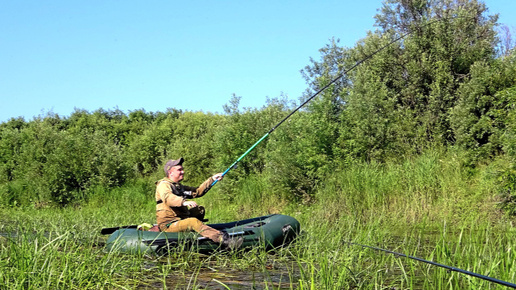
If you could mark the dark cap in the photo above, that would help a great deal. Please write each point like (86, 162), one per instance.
(172, 163)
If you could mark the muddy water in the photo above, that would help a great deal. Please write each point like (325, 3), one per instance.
(272, 277)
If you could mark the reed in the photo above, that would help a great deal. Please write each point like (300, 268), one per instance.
(428, 207)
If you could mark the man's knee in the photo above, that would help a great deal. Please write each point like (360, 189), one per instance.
(187, 224)
(193, 223)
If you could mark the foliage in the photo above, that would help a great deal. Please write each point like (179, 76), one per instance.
(412, 85)
(508, 191)
(427, 207)
(194, 135)
(481, 119)
(443, 85)
(243, 128)
(399, 153)
(56, 165)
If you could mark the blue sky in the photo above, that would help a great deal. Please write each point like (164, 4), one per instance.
(190, 55)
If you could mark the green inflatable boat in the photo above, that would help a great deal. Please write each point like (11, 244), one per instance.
(268, 231)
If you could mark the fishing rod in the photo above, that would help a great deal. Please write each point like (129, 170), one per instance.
(316, 94)
(449, 268)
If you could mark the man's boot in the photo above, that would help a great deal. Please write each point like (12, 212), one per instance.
(230, 243)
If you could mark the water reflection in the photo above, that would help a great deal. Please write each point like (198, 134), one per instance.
(271, 277)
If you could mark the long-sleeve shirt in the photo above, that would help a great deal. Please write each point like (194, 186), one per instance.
(170, 197)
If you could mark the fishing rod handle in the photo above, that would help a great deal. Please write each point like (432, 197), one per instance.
(223, 173)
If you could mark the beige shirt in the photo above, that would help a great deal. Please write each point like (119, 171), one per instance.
(170, 197)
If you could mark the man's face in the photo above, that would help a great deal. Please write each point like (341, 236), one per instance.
(176, 173)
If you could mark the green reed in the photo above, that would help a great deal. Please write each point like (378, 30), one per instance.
(429, 207)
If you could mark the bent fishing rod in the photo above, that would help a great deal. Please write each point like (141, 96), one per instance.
(315, 95)
(449, 268)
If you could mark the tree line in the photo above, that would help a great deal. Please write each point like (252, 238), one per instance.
(450, 83)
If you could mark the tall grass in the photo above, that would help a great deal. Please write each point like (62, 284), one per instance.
(429, 207)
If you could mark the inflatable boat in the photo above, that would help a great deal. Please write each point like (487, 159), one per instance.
(270, 231)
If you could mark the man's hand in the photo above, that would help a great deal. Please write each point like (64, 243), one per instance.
(217, 177)
(189, 203)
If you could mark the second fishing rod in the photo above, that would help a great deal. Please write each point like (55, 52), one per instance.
(316, 94)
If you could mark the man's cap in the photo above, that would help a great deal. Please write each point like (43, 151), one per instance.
(172, 163)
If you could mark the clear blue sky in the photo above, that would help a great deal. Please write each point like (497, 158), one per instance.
(191, 55)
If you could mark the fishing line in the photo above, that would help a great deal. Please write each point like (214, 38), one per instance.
(317, 93)
(449, 268)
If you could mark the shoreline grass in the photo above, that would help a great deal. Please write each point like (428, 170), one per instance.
(429, 207)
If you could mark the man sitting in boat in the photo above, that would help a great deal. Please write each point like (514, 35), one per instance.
(175, 212)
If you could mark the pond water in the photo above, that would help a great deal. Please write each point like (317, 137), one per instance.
(272, 277)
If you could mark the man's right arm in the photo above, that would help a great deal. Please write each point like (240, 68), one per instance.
(168, 197)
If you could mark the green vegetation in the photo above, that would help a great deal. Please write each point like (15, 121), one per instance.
(413, 151)
(429, 207)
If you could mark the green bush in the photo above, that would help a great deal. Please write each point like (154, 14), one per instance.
(508, 193)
